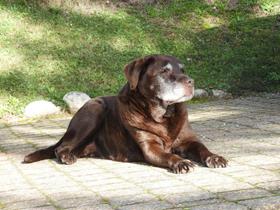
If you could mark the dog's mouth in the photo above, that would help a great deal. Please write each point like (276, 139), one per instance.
(171, 94)
(179, 100)
(186, 97)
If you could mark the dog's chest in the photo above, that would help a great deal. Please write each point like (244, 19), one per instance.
(167, 130)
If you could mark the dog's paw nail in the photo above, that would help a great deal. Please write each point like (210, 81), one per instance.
(215, 161)
(183, 166)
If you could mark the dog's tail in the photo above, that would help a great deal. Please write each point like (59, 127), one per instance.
(42, 154)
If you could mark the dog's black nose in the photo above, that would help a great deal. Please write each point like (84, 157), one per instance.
(190, 81)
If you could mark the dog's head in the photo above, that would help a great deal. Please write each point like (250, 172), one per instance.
(160, 77)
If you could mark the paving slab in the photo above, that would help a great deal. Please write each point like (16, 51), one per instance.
(244, 130)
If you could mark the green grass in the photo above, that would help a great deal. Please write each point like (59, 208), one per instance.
(47, 51)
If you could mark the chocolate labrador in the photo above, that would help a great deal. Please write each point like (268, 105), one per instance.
(147, 121)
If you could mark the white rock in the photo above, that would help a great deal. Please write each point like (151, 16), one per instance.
(200, 93)
(75, 100)
(40, 108)
(219, 93)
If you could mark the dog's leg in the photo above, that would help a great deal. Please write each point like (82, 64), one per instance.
(192, 147)
(88, 150)
(154, 153)
(81, 128)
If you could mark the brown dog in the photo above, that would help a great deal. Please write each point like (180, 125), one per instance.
(147, 121)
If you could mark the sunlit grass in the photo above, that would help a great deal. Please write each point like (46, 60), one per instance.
(47, 51)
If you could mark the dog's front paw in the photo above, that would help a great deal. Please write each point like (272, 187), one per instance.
(216, 161)
(182, 166)
(66, 157)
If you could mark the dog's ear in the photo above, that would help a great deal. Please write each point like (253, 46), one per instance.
(133, 70)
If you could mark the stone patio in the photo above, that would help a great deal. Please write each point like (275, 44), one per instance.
(244, 130)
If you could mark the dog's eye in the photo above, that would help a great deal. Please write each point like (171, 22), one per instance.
(165, 70)
(182, 67)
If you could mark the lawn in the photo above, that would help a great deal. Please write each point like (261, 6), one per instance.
(47, 50)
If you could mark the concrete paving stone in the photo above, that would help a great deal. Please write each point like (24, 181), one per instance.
(61, 120)
(45, 207)
(271, 127)
(199, 202)
(71, 189)
(161, 184)
(155, 205)
(148, 176)
(62, 182)
(129, 188)
(228, 187)
(253, 122)
(18, 149)
(256, 160)
(3, 158)
(270, 118)
(110, 184)
(21, 128)
(76, 168)
(265, 103)
(187, 197)
(234, 168)
(136, 168)
(2, 125)
(45, 124)
(95, 207)
(176, 189)
(13, 181)
(214, 179)
(257, 103)
(11, 188)
(220, 206)
(75, 172)
(245, 194)
(277, 156)
(10, 197)
(272, 166)
(95, 179)
(72, 194)
(123, 200)
(51, 131)
(261, 178)
(138, 179)
(273, 151)
(270, 186)
(17, 156)
(247, 173)
(242, 135)
(27, 204)
(119, 191)
(6, 133)
(212, 115)
(12, 141)
(38, 171)
(43, 141)
(79, 202)
(236, 152)
(223, 125)
(261, 148)
(270, 203)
